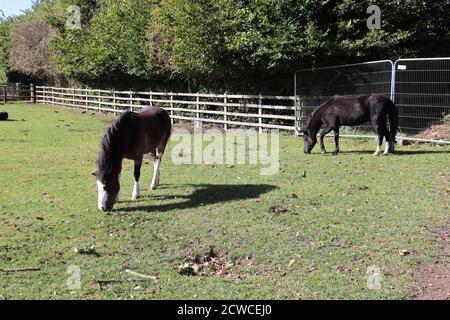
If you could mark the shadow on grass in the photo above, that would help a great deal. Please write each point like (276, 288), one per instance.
(203, 195)
(397, 152)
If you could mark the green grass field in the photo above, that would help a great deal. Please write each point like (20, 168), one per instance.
(348, 213)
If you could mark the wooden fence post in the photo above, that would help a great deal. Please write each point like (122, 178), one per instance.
(53, 97)
(298, 115)
(260, 113)
(131, 101)
(32, 93)
(99, 105)
(44, 96)
(86, 98)
(197, 123)
(225, 110)
(171, 106)
(16, 92)
(114, 103)
(5, 94)
(151, 100)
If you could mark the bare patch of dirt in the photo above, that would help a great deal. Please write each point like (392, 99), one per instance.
(277, 209)
(435, 132)
(214, 263)
(432, 281)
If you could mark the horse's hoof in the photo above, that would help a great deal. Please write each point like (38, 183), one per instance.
(134, 197)
(376, 154)
(323, 152)
(153, 187)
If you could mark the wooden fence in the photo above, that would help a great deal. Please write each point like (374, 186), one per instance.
(260, 111)
(229, 111)
(16, 92)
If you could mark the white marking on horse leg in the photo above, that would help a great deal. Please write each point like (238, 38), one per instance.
(136, 191)
(102, 196)
(118, 195)
(378, 151)
(155, 181)
(386, 149)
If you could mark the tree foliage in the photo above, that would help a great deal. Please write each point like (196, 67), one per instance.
(110, 45)
(5, 43)
(214, 43)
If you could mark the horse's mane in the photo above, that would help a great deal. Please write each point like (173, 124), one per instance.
(311, 116)
(107, 144)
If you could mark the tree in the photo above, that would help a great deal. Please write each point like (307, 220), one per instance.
(5, 26)
(109, 47)
(29, 50)
(252, 41)
(236, 45)
(227, 39)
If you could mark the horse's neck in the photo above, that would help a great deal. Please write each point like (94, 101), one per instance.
(316, 122)
(115, 158)
(117, 152)
(117, 163)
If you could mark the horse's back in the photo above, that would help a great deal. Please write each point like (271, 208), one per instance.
(356, 110)
(347, 110)
(150, 129)
(155, 116)
(153, 112)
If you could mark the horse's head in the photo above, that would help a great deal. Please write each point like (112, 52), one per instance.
(108, 189)
(310, 141)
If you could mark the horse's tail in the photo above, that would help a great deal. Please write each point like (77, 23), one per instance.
(393, 121)
(167, 124)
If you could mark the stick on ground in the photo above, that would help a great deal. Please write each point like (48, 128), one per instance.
(20, 270)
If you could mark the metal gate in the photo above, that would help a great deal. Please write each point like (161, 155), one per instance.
(422, 92)
(312, 87)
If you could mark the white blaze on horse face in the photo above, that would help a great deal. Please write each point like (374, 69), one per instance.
(155, 181)
(136, 191)
(102, 195)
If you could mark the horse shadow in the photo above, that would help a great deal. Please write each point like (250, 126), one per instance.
(203, 195)
(398, 152)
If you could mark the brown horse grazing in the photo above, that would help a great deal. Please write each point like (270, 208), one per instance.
(130, 137)
(352, 111)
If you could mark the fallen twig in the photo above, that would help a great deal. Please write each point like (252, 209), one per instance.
(141, 275)
(162, 237)
(101, 282)
(20, 270)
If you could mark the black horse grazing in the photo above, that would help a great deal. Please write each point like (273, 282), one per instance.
(351, 111)
(130, 137)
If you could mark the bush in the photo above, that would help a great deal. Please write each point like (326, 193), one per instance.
(29, 50)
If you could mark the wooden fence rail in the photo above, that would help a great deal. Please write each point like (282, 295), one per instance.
(227, 110)
(263, 112)
(16, 92)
